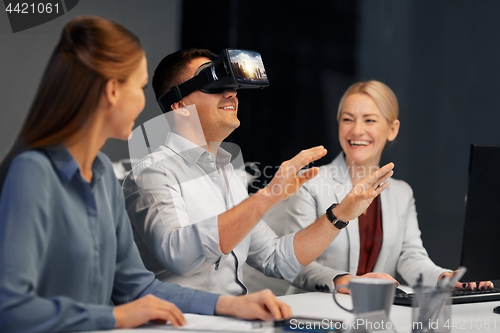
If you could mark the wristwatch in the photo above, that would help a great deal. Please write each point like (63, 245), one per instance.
(333, 219)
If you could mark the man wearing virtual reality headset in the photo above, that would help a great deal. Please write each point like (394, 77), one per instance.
(232, 70)
(193, 221)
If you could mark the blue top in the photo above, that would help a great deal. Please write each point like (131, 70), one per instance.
(66, 248)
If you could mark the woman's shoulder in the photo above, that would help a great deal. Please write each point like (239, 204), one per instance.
(399, 187)
(30, 168)
(399, 183)
(32, 158)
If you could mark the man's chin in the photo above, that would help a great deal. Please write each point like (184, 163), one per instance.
(234, 123)
(229, 129)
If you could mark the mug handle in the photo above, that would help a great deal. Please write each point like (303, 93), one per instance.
(335, 299)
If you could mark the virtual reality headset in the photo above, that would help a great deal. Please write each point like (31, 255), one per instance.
(232, 69)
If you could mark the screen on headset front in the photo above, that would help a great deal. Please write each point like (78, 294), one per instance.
(247, 66)
(233, 69)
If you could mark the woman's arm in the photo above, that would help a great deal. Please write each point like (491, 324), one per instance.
(414, 258)
(25, 236)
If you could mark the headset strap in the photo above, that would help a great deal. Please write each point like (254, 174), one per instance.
(176, 93)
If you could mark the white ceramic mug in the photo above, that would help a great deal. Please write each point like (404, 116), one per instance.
(369, 294)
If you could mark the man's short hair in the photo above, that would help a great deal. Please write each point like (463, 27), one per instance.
(169, 71)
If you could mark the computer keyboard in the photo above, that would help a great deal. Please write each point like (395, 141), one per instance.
(458, 296)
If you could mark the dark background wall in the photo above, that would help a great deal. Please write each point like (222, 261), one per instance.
(441, 58)
(24, 55)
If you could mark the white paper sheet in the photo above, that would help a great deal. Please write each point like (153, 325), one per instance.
(217, 324)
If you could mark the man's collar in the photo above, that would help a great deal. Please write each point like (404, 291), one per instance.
(223, 157)
(191, 152)
(66, 166)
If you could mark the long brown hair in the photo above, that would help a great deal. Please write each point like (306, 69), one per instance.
(91, 51)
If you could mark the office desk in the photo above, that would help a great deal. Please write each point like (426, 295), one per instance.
(473, 317)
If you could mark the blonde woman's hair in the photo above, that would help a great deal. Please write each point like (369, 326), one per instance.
(383, 96)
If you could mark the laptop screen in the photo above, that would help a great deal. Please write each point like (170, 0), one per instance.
(481, 239)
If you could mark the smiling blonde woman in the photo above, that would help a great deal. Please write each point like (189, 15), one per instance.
(386, 237)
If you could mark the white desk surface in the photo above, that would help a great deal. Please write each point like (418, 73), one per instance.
(472, 317)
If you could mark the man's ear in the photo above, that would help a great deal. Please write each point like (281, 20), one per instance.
(111, 91)
(180, 108)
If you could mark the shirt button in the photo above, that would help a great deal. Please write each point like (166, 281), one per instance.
(214, 178)
(210, 157)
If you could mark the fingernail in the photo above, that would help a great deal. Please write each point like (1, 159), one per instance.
(464, 285)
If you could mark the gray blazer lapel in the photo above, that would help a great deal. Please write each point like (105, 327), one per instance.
(389, 228)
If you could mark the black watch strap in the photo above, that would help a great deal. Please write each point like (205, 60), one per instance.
(333, 219)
